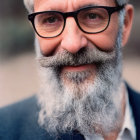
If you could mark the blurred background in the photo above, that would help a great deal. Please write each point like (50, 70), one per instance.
(18, 71)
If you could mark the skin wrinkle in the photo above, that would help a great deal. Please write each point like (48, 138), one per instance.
(29, 4)
(67, 6)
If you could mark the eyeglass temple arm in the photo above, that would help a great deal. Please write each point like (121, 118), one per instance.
(118, 8)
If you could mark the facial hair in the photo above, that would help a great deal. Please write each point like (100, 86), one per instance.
(97, 109)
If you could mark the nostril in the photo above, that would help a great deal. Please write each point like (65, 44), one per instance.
(73, 38)
(74, 43)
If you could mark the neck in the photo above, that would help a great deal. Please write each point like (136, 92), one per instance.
(114, 134)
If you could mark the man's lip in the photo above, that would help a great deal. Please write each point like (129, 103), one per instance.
(78, 68)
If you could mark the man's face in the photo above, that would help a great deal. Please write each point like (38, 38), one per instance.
(82, 75)
(73, 39)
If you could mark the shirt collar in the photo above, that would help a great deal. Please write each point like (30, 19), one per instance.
(128, 121)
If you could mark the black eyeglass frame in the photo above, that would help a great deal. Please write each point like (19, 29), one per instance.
(74, 14)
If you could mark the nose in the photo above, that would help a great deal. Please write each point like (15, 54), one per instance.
(73, 38)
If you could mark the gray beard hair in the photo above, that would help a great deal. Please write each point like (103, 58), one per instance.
(97, 109)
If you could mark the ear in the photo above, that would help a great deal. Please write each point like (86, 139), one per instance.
(128, 20)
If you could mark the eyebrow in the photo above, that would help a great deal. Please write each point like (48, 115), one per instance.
(86, 5)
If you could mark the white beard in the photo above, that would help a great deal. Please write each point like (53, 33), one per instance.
(96, 110)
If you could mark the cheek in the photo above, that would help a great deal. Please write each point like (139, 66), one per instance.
(105, 40)
(48, 46)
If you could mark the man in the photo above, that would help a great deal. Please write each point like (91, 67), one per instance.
(82, 95)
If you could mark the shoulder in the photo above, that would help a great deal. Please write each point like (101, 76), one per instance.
(134, 99)
(16, 118)
(134, 96)
(19, 109)
(20, 121)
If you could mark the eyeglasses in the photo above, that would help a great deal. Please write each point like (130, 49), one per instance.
(90, 20)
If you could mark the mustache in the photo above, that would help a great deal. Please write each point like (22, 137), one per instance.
(84, 56)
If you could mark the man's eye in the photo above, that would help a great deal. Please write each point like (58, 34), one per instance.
(50, 20)
(92, 16)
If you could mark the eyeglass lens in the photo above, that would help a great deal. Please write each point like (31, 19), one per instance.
(49, 24)
(93, 20)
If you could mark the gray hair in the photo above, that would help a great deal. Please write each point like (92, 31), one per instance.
(29, 4)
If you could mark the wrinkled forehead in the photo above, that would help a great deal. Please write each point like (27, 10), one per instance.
(68, 5)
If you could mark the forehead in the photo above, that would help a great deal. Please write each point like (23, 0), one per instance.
(68, 5)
